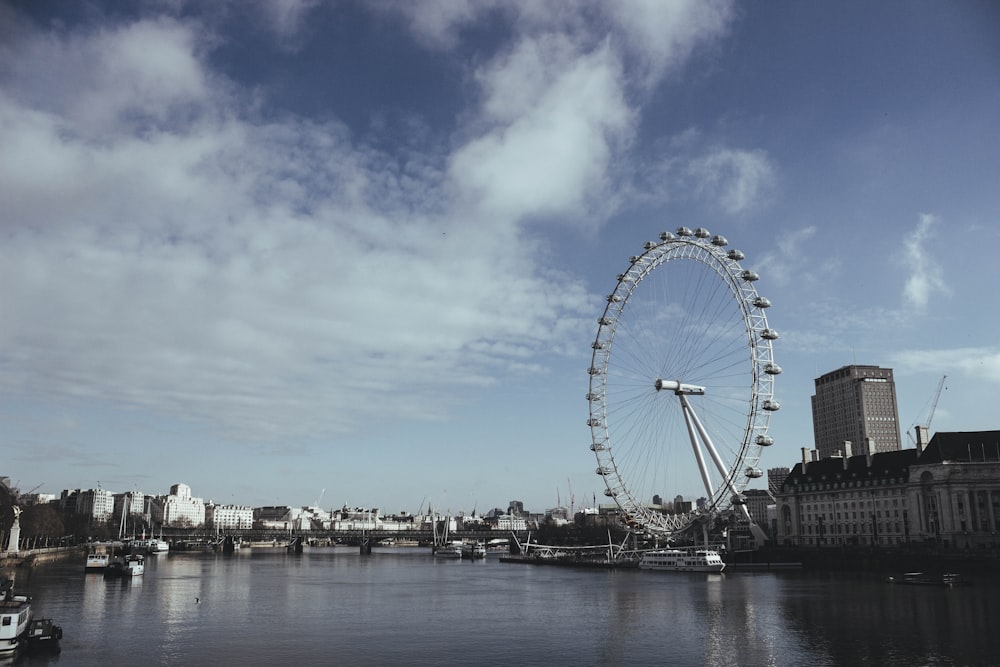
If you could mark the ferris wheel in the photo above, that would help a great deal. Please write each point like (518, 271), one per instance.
(682, 382)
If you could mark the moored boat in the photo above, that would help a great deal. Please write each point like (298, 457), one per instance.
(677, 560)
(471, 550)
(96, 562)
(15, 617)
(134, 565)
(43, 635)
(158, 546)
(449, 550)
(920, 579)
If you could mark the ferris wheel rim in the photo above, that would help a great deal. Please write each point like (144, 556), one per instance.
(709, 251)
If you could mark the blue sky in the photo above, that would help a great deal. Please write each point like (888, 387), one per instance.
(285, 250)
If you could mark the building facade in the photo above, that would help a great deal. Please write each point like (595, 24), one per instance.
(947, 494)
(228, 517)
(775, 478)
(179, 508)
(856, 404)
(98, 504)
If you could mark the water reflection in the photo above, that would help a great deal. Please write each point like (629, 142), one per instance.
(332, 605)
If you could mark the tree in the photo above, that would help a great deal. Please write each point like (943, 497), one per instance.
(42, 521)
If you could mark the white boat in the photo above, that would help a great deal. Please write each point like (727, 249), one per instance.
(449, 550)
(134, 565)
(157, 546)
(15, 617)
(471, 550)
(97, 562)
(676, 560)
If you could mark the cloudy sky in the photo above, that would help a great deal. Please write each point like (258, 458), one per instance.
(285, 251)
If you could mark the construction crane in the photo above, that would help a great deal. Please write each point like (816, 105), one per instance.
(926, 426)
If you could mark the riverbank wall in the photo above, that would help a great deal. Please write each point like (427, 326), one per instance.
(33, 557)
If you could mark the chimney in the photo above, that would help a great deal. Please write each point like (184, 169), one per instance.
(805, 459)
(923, 438)
(847, 449)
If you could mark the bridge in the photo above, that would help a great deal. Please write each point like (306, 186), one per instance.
(358, 537)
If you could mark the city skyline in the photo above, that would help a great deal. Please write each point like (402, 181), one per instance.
(282, 247)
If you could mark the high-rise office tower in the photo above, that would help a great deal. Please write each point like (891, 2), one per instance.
(856, 404)
(775, 478)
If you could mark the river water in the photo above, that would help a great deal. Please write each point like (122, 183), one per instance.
(333, 606)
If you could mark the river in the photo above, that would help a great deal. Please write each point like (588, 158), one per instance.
(333, 606)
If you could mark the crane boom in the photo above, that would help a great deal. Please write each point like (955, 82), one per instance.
(937, 396)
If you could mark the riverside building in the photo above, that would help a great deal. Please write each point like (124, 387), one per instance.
(856, 404)
(945, 492)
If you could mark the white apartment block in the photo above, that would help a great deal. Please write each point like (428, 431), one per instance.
(179, 508)
(98, 504)
(225, 517)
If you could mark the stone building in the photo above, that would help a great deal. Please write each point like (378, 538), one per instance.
(945, 492)
(856, 404)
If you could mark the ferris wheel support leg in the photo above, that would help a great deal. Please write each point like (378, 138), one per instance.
(723, 470)
(688, 417)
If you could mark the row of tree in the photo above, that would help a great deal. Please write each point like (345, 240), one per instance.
(46, 525)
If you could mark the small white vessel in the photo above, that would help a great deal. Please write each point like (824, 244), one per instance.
(134, 565)
(677, 560)
(472, 550)
(449, 550)
(97, 562)
(158, 546)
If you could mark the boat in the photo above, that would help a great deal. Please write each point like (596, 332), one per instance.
(96, 562)
(948, 579)
(449, 550)
(43, 636)
(677, 560)
(115, 568)
(157, 546)
(472, 550)
(134, 565)
(15, 617)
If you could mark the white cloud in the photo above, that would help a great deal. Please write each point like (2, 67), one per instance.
(789, 261)
(981, 363)
(165, 249)
(551, 139)
(739, 180)
(271, 279)
(925, 276)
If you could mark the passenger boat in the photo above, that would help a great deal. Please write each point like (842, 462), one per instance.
(676, 560)
(471, 550)
(158, 546)
(15, 617)
(97, 562)
(449, 550)
(134, 565)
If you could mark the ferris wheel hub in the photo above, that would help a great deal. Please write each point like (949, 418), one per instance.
(678, 387)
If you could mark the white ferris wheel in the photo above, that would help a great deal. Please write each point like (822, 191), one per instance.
(682, 382)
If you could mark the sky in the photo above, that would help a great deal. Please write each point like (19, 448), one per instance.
(301, 252)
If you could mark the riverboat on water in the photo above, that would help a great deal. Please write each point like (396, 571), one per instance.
(472, 550)
(134, 565)
(449, 550)
(15, 617)
(676, 560)
(43, 636)
(97, 562)
(151, 546)
(921, 579)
